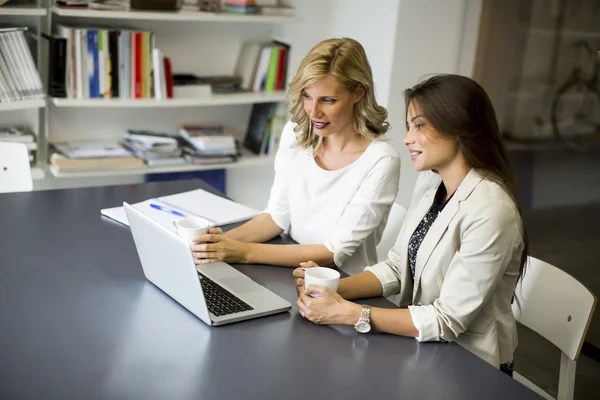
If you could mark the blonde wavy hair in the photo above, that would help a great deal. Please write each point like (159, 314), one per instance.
(346, 60)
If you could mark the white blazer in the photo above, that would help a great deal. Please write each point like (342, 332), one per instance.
(466, 267)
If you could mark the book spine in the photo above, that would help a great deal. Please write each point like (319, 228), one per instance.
(5, 71)
(156, 75)
(19, 63)
(113, 47)
(280, 68)
(137, 70)
(56, 67)
(146, 61)
(95, 72)
(270, 86)
(123, 65)
(77, 37)
(169, 77)
(85, 80)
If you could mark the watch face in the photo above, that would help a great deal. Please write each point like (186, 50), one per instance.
(363, 327)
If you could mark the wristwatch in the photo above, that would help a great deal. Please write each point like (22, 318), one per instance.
(363, 325)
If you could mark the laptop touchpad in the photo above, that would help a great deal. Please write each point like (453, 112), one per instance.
(240, 285)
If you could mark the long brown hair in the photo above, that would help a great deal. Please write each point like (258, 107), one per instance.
(458, 108)
(344, 59)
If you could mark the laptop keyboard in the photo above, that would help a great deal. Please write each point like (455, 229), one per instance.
(220, 301)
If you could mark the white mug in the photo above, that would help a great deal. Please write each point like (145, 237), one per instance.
(321, 276)
(191, 227)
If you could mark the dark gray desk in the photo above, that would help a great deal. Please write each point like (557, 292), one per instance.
(78, 320)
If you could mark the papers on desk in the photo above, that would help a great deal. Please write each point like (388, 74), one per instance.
(199, 203)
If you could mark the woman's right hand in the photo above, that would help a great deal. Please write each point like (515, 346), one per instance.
(299, 274)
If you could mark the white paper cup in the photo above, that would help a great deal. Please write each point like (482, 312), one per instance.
(321, 276)
(191, 227)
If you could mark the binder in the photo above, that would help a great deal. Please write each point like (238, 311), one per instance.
(198, 203)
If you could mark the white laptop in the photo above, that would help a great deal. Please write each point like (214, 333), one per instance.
(216, 293)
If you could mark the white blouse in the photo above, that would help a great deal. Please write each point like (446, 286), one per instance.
(346, 209)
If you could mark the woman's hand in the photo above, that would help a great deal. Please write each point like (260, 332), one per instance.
(328, 307)
(215, 246)
(299, 274)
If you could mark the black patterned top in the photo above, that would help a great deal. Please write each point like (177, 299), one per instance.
(419, 234)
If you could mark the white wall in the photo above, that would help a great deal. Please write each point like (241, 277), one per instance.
(432, 36)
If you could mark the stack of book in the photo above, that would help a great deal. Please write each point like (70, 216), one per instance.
(73, 3)
(91, 155)
(240, 6)
(156, 149)
(101, 63)
(263, 66)
(19, 78)
(114, 5)
(208, 144)
(277, 10)
(20, 134)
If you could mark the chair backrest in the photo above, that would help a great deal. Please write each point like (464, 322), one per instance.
(391, 231)
(15, 172)
(555, 305)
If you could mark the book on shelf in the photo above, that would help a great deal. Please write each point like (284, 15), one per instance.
(209, 140)
(91, 149)
(63, 163)
(240, 6)
(113, 5)
(258, 127)
(186, 84)
(91, 155)
(19, 78)
(263, 66)
(17, 134)
(153, 149)
(73, 3)
(275, 10)
(97, 62)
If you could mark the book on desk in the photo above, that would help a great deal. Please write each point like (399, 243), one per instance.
(198, 203)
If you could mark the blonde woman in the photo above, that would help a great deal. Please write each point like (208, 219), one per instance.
(335, 176)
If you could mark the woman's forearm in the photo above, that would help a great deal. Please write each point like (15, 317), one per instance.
(360, 286)
(259, 229)
(288, 255)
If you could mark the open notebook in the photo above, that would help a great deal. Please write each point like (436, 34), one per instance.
(199, 203)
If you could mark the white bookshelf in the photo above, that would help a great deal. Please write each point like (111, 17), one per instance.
(181, 16)
(37, 173)
(247, 160)
(22, 11)
(89, 119)
(22, 105)
(214, 100)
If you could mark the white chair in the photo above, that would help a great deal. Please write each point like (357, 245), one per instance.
(15, 172)
(559, 308)
(391, 231)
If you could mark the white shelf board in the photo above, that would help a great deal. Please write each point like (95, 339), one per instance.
(169, 16)
(247, 160)
(22, 105)
(28, 11)
(214, 100)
